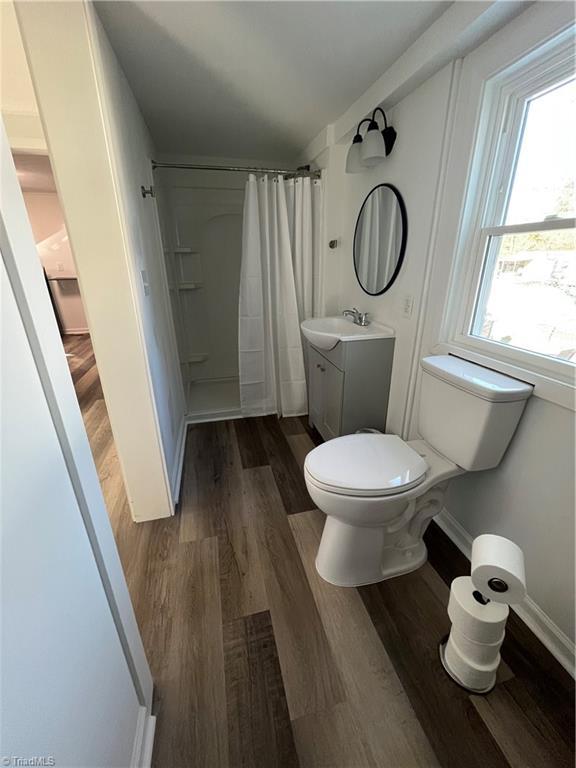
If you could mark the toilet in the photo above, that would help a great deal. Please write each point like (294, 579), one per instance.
(379, 492)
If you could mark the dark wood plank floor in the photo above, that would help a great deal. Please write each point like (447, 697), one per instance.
(259, 662)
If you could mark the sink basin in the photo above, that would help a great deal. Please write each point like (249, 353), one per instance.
(326, 332)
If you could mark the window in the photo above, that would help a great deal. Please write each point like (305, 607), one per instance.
(521, 301)
(527, 292)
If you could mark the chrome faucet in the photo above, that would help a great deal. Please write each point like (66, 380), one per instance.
(360, 318)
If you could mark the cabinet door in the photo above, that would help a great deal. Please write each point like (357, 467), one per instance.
(325, 397)
(315, 383)
(332, 386)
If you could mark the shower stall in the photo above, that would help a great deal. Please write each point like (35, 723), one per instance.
(201, 212)
(201, 215)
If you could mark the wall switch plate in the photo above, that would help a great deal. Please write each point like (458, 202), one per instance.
(407, 305)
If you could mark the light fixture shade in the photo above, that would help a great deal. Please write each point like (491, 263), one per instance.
(373, 149)
(354, 162)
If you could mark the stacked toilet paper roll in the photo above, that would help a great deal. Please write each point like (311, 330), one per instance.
(497, 569)
(478, 609)
(472, 653)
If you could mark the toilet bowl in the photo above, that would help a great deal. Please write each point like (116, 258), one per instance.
(380, 492)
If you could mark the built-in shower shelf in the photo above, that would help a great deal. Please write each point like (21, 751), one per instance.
(189, 286)
(180, 249)
(216, 380)
(189, 365)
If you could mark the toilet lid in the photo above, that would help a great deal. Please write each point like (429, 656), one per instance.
(366, 465)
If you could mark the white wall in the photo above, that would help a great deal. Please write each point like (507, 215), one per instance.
(99, 150)
(17, 98)
(413, 168)
(66, 688)
(132, 150)
(530, 497)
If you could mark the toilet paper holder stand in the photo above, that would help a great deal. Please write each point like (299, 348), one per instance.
(472, 670)
(479, 597)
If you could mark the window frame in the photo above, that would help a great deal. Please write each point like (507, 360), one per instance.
(499, 134)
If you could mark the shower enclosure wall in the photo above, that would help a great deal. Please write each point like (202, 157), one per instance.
(201, 214)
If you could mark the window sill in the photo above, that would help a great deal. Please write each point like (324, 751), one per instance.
(546, 387)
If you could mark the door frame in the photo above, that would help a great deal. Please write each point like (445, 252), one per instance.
(31, 294)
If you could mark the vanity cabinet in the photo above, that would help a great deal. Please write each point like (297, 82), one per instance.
(349, 386)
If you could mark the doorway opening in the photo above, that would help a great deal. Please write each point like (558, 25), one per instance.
(46, 219)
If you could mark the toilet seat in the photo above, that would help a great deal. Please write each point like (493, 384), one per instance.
(365, 465)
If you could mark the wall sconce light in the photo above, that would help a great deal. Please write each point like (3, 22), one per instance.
(373, 148)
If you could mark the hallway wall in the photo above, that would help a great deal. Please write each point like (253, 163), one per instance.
(132, 150)
(17, 97)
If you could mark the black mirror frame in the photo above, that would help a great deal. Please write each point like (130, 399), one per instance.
(404, 217)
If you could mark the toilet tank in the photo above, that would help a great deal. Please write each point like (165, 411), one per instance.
(469, 413)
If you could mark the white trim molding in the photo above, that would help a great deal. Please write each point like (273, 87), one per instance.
(549, 634)
(201, 418)
(143, 740)
(231, 415)
(178, 466)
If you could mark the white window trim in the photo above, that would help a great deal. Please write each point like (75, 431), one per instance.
(502, 110)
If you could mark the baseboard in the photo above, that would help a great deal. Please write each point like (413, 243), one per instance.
(148, 742)
(550, 635)
(200, 418)
(144, 740)
(75, 331)
(176, 479)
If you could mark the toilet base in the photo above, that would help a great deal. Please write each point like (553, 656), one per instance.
(354, 556)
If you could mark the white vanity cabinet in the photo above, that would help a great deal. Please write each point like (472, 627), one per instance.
(349, 386)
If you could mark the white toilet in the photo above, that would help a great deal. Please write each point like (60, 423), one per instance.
(379, 492)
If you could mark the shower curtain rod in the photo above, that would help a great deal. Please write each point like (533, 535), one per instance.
(246, 169)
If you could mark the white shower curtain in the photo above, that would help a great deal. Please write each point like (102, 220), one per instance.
(278, 289)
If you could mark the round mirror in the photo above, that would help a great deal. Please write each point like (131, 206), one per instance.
(380, 239)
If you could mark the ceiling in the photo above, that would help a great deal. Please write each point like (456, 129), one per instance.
(34, 173)
(255, 80)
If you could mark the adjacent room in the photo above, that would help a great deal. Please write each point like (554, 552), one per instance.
(288, 383)
(57, 260)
